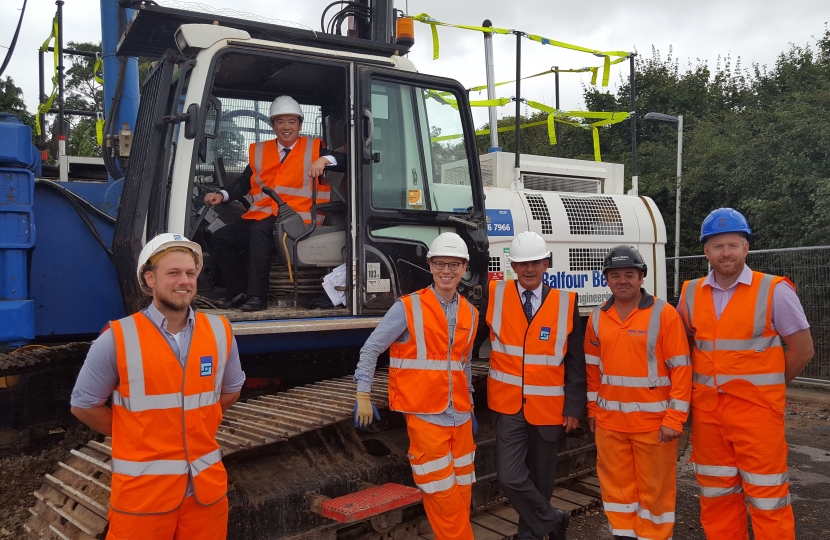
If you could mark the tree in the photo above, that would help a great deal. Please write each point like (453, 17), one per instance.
(11, 101)
(82, 92)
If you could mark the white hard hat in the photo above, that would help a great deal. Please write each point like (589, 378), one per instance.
(528, 246)
(157, 245)
(285, 105)
(448, 244)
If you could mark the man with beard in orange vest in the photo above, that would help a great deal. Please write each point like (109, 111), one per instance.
(429, 334)
(639, 386)
(171, 372)
(290, 165)
(738, 322)
(536, 384)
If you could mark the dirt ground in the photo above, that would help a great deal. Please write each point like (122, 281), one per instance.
(808, 435)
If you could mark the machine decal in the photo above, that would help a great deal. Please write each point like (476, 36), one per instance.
(378, 285)
(497, 276)
(373, 270)
(416, 198)
(499, 222)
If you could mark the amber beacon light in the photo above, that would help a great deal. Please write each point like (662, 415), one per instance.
(405, 32)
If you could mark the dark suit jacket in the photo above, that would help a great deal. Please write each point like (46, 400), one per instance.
(576, 383)
(242, 186)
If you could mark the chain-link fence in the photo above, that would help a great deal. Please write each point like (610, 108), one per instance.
(808, 268)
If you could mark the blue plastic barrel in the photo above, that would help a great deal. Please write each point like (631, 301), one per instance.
(16, 148)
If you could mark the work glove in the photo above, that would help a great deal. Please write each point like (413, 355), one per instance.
(364, 409)
(475, 422)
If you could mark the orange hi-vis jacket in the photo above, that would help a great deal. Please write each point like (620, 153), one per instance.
(739, 353)
(289, 179)
(526, 361)
(165, 416)
(428, 368)
(639, 371)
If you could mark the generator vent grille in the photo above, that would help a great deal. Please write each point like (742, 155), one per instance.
(593, 215)
(586, 259)
(487, 175)
(541, 182)
(539, 212)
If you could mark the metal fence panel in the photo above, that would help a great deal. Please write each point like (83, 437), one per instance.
(808, 268)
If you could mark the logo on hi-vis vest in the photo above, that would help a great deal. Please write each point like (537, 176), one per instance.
(206, 363)
(544, 333)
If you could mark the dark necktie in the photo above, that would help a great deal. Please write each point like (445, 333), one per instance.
(285, 154)
(528, 306)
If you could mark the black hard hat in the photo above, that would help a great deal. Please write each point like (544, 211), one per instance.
(624, 257)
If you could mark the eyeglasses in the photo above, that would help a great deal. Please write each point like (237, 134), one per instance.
(440, 265)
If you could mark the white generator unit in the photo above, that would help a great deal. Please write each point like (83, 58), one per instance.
(580, 209)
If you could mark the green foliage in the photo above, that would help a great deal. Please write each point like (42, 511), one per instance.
(83, 93)
(755, 139)
(11, 101)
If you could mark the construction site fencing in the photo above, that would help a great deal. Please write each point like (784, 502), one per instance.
(807, 267)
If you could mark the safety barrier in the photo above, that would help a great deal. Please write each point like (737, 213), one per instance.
(808, 268)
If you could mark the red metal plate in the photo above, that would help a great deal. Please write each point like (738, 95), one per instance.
(370, 502)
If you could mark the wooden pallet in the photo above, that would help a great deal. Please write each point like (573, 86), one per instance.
(501, 521)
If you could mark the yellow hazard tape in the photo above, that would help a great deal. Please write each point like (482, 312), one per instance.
(46, 106)
(99, 129)
(98, 68)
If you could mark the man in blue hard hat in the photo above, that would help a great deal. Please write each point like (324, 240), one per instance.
(738, 321)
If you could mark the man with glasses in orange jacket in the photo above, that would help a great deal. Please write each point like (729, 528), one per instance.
(429, 334)
(171, 372)
(738, 322)
(536, 384)
(639, 386)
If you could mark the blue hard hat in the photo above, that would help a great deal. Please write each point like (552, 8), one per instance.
(724, 220)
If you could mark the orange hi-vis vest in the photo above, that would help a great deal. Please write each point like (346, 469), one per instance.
(526, 361)
(739, 353)
(165, 416)
(428, 368)
(289, 179)
(639, 370)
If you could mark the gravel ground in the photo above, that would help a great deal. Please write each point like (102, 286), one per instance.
(808, 435)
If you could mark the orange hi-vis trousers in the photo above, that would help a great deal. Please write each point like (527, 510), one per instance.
(740, 456)
(190, 521)
(638, 481)
(442, 465)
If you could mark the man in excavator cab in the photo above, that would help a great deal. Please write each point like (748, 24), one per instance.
(288, 165)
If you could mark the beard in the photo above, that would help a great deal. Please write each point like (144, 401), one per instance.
(175, 304)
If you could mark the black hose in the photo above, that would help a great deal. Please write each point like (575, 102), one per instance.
(109, 164)
(75, 202)
(14, 40)
(352, 8)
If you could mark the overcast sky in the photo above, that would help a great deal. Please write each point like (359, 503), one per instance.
(757, 31)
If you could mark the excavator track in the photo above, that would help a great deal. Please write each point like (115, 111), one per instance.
(73, 501)
(34, 358)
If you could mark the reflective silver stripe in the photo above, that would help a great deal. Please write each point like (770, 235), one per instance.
(761, 302)
(222, 350)
(562, 326)
(512, 350)
(164, 401)
(543, 360)
(679, 405)
(704, 345)
(473, 323)
(632, 406)
(307, 157)
(595, 321)
(429, 365)
(689, 300)
(677, 361)
(766, 479)
(142, 468)
(531, 390)
(298, 192)
(720, 492)
(754, 344)
(432, 466)
(700, 378)
(438, 485)
(651, 344)
(635, 382)
(715, 470)
(418, 326)
(465, 460)
(506, 378)
(619, 507)
(591, 360)
(763, 379)
(495, 324)
(466, 479)
(202, 463)
(769, 504)
(665, 517)
(258, 149)
(592, 396)
(135, 363)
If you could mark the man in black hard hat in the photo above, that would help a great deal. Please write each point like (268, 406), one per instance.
(639, 387)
